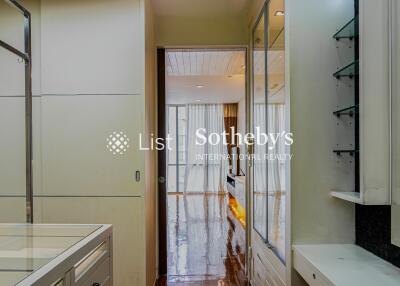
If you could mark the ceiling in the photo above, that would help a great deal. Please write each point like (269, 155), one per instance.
(207, 76)
(201, 8)
(206, 63)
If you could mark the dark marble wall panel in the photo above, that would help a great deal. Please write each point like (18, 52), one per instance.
(373, 232)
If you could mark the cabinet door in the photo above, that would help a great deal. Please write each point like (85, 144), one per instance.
(270, 118)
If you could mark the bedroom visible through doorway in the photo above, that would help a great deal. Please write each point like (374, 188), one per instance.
(205, 104)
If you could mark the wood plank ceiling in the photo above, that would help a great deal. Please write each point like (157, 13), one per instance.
(220, 63)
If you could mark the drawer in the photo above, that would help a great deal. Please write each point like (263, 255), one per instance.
(58, 283)
(100, 276)
(264, 268)
(309, 273)
(88, 267)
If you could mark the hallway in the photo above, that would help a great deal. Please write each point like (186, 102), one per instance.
(205, 242)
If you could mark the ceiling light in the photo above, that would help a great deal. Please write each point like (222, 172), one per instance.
(280, 13)
(198, 100)
(199, 86)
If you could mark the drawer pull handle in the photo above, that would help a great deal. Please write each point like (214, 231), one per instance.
(314, 276)
(96, 284)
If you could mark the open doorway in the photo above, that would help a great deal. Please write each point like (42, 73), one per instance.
(204, 191)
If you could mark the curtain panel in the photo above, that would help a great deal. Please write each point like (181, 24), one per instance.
(206, 164)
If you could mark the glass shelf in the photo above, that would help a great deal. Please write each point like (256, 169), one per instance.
(350, 71)
(348, 31)
(350, 111)
(340, 152)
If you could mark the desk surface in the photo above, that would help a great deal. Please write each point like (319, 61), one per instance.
(24, 248)
(349, 265)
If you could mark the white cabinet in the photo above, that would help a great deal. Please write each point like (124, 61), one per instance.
(56, 255)
(374, 107)
(342, 265)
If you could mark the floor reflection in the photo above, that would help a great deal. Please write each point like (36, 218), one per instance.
(205, 242)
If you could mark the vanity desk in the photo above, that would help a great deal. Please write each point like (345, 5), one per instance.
(342, 265)
(55, 255)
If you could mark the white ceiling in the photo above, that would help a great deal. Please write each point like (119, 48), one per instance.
(196, 62)
(220, 73)
(217, 89)
(201, 8)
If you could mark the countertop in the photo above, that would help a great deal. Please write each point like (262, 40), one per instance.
(25, 248)
(349, 265)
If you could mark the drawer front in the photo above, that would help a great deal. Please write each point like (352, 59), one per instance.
(100, 276)
(309, 273)
(264, 268)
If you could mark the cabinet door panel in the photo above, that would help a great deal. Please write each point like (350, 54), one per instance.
(76, 160)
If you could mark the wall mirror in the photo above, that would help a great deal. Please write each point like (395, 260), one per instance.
(269, 116)
(395, 123)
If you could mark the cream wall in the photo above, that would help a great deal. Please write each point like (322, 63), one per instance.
(12, 110)
(93, 74)
(316, 216)
(192, 31)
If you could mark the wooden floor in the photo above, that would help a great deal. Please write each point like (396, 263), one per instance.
(205, 242)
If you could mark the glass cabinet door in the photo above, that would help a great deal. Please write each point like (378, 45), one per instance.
(270, 117)
(259, 125)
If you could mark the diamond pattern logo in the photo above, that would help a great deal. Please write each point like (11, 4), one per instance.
(117, 143)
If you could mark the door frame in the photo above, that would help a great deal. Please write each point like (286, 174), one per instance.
(161, 154)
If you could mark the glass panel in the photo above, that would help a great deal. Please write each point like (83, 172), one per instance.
(348, 31)
(276, 118)
(348, 71)
(259, 112)
(26, 248)
(171, 130)
(171, 179)
(182, 135)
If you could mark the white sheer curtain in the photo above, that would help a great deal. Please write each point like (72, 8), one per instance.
(269, 172)
(206, 165)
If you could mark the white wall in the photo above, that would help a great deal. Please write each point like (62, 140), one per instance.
(12, 110)
(316, 216)
(89, 79)
(192, 31)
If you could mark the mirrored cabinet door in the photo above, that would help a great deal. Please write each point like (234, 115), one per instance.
(395, 81)
(276, 118)
(260, 189)
(269, 117)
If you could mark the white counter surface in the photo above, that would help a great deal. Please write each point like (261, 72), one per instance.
(25, 248)
(349, 265)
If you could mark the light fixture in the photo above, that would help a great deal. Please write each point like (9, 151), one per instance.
(199, 86)
(280, 13)
(198, 100)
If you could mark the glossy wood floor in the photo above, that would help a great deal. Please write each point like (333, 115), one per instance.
(205, 242)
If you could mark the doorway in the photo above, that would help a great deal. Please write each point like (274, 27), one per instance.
(202, 193)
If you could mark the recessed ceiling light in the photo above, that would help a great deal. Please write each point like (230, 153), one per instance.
(280, 13)
(199, 86)
(198, 100)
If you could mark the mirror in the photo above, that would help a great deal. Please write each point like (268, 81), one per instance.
(395, 123)
(270, 116)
